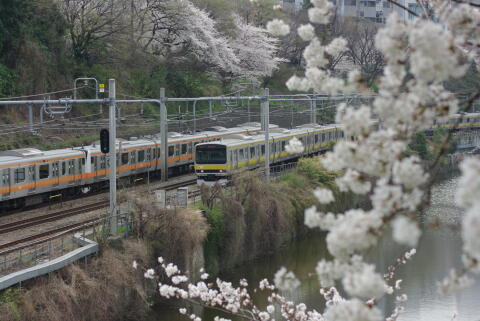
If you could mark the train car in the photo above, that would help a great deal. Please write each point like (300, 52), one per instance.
(31, 176)
(27, 173)
(216, 162)
(460, 121)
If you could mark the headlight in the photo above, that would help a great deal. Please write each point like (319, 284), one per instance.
(221, 171)
(201, 171)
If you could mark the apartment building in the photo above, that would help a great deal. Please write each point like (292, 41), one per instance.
(375, 10)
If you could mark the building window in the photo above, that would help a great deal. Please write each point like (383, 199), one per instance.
(351, 2)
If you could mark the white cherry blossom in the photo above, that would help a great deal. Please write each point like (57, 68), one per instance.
(278, 27)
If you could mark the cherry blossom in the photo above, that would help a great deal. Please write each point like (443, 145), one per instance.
(278, 28)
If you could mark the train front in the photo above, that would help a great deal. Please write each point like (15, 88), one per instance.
(211, 163)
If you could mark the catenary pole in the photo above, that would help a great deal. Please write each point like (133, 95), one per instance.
(163, 135)
(112, 155)
(266, 118)
(30, 118)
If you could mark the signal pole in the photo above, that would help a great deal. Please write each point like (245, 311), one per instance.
(112, 156)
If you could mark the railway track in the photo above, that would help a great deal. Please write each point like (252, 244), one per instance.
(34, 221)
(44, 235)
(14, 226)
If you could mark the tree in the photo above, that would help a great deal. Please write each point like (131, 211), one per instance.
(177, 29)
(255, 50)
(361, 51)
(89, 21)
(420, 56)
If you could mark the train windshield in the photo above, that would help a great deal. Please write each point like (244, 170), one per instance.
(211, 154)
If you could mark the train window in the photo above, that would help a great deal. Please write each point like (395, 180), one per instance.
(283, 145)
(252, 152)
(132, 157)
(171, 150)
(19, 175)
(316, 138)
(177, 150)
(149, 152)
(323, 137)
(241, 155)
(6, 177)
(64, 168)
(189, 145)
(124, 158)
(184, 149)
(141, 155)
(263, 149)
(31, 173)
(83, 161)
(92, 160)
(43, 171)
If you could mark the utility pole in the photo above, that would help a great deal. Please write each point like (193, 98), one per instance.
(210, 109)
(112, 155)
(30, 118)
(194, 117)
(314, 108)
(266, 122)
(163, 136)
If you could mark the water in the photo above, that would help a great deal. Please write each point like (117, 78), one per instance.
(438, 252)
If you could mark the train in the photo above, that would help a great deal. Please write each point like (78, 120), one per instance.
(216, 162)
(30, 176)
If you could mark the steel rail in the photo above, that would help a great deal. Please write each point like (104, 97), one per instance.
(14, 226)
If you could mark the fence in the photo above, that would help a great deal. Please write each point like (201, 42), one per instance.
(55, 252)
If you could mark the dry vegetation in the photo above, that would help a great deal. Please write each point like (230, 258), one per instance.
(107, 289)
(175, 234)
(254, 218)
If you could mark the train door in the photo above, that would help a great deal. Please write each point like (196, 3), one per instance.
(71, 171)
(32, 178)
(94, 166)
(79, 166)
(102, 165)
(132, 161)
(6, 181)
(55, 173)
(235, 159)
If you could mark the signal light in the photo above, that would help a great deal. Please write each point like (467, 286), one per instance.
(104, 141)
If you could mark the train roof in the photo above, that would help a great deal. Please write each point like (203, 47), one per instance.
(32, 154)
(277, 133)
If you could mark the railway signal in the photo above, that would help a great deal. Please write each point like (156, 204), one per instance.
(104, 141)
